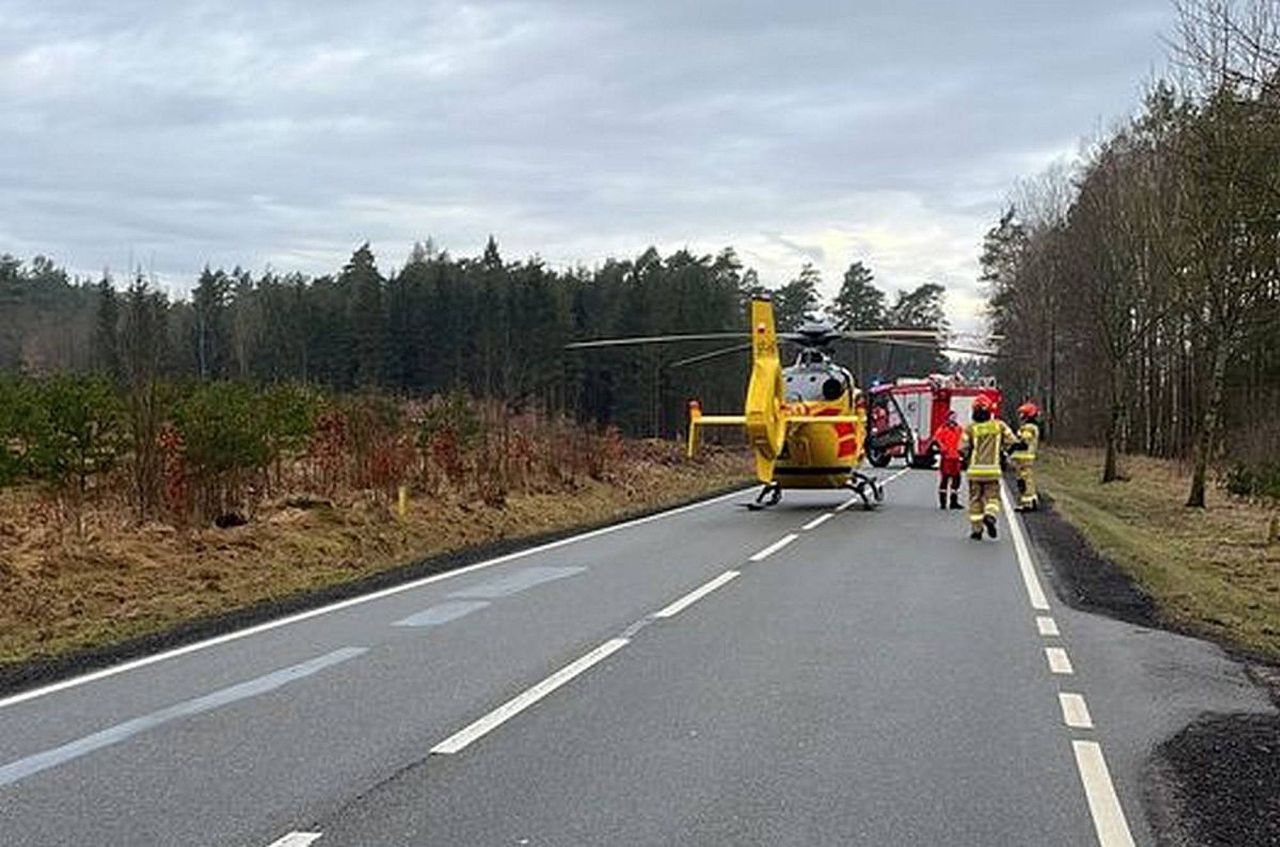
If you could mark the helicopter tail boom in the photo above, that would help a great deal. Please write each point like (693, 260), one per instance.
(697, 420)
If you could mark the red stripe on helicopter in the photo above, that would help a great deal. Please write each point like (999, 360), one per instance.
(844, 434)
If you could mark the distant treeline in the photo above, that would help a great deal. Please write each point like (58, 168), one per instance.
(1140, 296)
(439, 324)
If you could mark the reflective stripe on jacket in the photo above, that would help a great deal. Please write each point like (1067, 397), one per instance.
(984, 442)
(1029, 434)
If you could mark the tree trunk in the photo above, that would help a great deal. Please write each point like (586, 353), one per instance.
(1208, 428)
(1110, 471)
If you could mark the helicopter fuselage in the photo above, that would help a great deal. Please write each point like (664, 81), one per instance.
(820, 455)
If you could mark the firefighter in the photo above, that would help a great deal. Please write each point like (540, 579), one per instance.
(983, 444)
(1023, 456)
(946, 440)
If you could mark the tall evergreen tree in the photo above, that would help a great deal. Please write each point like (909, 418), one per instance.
(797, 301)
(212, 326)
(360, 278)
(859, 304)
(106, 331)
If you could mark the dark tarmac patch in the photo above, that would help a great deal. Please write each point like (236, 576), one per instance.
(1217, 782)
(20, 676)
(1081, 577)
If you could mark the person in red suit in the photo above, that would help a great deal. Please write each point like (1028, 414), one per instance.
(946, 440)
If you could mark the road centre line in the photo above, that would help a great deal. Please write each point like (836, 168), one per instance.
(23, 768)
(1075, 712)
(694, 596)
(1104, 806)
(1032, 582)
(296, 839)
(1047, 626)
(818, 521)
(773, 548)
(465, 736)
(267, 626)
(1059, 662)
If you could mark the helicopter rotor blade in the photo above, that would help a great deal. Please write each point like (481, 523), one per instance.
(970, 351)
(724, 351)
(654, 339)
(860, 334)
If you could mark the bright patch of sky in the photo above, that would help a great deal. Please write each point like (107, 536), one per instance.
(284, 134)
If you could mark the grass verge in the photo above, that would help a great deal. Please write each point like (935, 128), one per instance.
(62, 596)
(1211, 573)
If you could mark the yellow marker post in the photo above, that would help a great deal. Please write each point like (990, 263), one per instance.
(402, 501)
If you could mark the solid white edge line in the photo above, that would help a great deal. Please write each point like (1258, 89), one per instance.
(520, 702)
(774, 547)
(296, 839)
(1104, 806)
(1075, 712)
(1059, 661)
(695, 595)
(266, 626)
(1047, 626)
(1034, 592)
(818, 521)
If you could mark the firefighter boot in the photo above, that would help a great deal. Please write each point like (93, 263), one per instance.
(955, 499)
(990, 521)
(942, 499)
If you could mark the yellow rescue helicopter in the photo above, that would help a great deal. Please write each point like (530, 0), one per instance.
(806, 424)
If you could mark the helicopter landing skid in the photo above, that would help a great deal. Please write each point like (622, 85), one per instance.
(868, 488)
(772, 491)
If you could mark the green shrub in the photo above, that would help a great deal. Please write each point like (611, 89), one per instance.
(16, 412)
(224, 441)
(1255, 480)
(454, 415)
(74, 433)
(288, 412)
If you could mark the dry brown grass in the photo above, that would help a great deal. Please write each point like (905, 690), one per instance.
(59, 594)
(1211, 572)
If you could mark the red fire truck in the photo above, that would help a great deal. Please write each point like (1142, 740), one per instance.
(905, 414)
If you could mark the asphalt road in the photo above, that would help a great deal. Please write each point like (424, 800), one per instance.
(805, 675)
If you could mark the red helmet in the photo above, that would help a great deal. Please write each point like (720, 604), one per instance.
(1029, 410)
(982, 401)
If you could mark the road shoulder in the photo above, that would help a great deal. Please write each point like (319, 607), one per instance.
(1216, 779)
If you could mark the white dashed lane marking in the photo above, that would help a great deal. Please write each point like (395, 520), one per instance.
(818, 521)
(463, 737)
(1059, 662)
(296, 839)
(695, 595)
(1104, 805)
(1047, 626)
(774, 548)
(1075, 712)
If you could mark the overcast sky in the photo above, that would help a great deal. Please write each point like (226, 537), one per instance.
(172, 134)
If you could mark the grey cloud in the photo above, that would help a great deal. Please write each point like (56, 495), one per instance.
(247, 132)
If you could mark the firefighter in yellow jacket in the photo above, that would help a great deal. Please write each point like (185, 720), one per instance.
(985, 441)
(1023, 456)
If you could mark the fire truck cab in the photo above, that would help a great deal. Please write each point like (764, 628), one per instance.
(904, 415)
